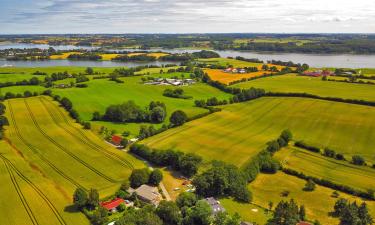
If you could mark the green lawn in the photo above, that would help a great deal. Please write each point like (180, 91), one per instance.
(316, 165)
(303, 84)
(239, 131)
(318, 203)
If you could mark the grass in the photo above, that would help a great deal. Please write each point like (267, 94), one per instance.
(303, 84)
(57, 155)
(17, 77)
(316, 165)
(101, 93)
(240, 131)
(318, 203)
(248, 212)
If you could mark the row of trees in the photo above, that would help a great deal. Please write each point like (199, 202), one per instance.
(352, 213)
(288, 213)
(186, 163)
(175, 93)
(31, 81)
(3, 119)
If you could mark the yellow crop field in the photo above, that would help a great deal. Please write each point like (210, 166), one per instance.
(108, 56)
(228, 78)
(63, 55)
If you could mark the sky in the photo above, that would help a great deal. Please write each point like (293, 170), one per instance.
(186, 16)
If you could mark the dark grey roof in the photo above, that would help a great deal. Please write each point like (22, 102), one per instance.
(215, 205)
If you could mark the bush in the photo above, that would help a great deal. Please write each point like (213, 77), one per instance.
(178, 118)
(156, 177)
(309, 186)
(303, 145)
(358, 160)
(329, 153)
(87, 125)
(139, 177)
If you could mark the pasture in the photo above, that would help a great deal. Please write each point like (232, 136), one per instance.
(101, 93)
(50, 156)
(318, 203)
(302, 84)
(241, 130)
(316, 165)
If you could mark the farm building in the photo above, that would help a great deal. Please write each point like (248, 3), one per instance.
(215, 205)
(116, 140)
(245, 223)
(112, 205)
(318, 73)
(147, 193)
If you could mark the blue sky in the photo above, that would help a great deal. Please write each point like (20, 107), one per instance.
(186, 16)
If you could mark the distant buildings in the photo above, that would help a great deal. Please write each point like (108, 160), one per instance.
(147, 194)
(215, 205)
(318, 73)
(170, 81)
(235, 70)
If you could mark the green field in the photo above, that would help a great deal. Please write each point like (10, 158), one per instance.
(227, 62)
(318, 203)
(101, 93)
(57, 156)
(316, 165)
(239, 131)
(302, 84)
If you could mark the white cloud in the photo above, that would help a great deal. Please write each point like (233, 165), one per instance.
(95, 16)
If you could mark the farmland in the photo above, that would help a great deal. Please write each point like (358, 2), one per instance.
(47, 156)
(227, 78)
(302, 84)
(239, 131)
(318, 203)
(316, 165)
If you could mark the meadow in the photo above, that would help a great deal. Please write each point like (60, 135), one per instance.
(47, 156)
(316, 165)
(241, 130)
(101, 93)
(303, 84)
(318, 203)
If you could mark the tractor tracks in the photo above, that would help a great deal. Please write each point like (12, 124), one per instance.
(36, 152)
(62, 148)
(84, 139)
(10, 168)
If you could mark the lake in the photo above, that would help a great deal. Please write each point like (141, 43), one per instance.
(314, 60)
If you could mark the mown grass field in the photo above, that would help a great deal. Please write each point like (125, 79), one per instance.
(316, 165)
(318, 203)
(239, 131)
(101, 93)
(58, 156)
(303, 84)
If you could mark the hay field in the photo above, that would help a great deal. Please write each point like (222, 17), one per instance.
(303, 84)
(316, 165)
(318, 203)
(44, 146)
(227, 78)
(239, 131)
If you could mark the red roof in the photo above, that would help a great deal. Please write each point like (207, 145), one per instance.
(116, 140)
(112, 204)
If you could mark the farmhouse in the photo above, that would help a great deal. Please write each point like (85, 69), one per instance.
(215, 205)
(147, 193)
(112, 205)
(171, 81)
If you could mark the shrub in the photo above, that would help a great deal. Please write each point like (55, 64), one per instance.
(358, 160)
(303, 145)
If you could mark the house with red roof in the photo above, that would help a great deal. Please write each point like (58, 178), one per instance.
(116, 140)
(112, 205)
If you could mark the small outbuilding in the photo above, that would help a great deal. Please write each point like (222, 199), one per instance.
(116, 140)
(112, 205)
